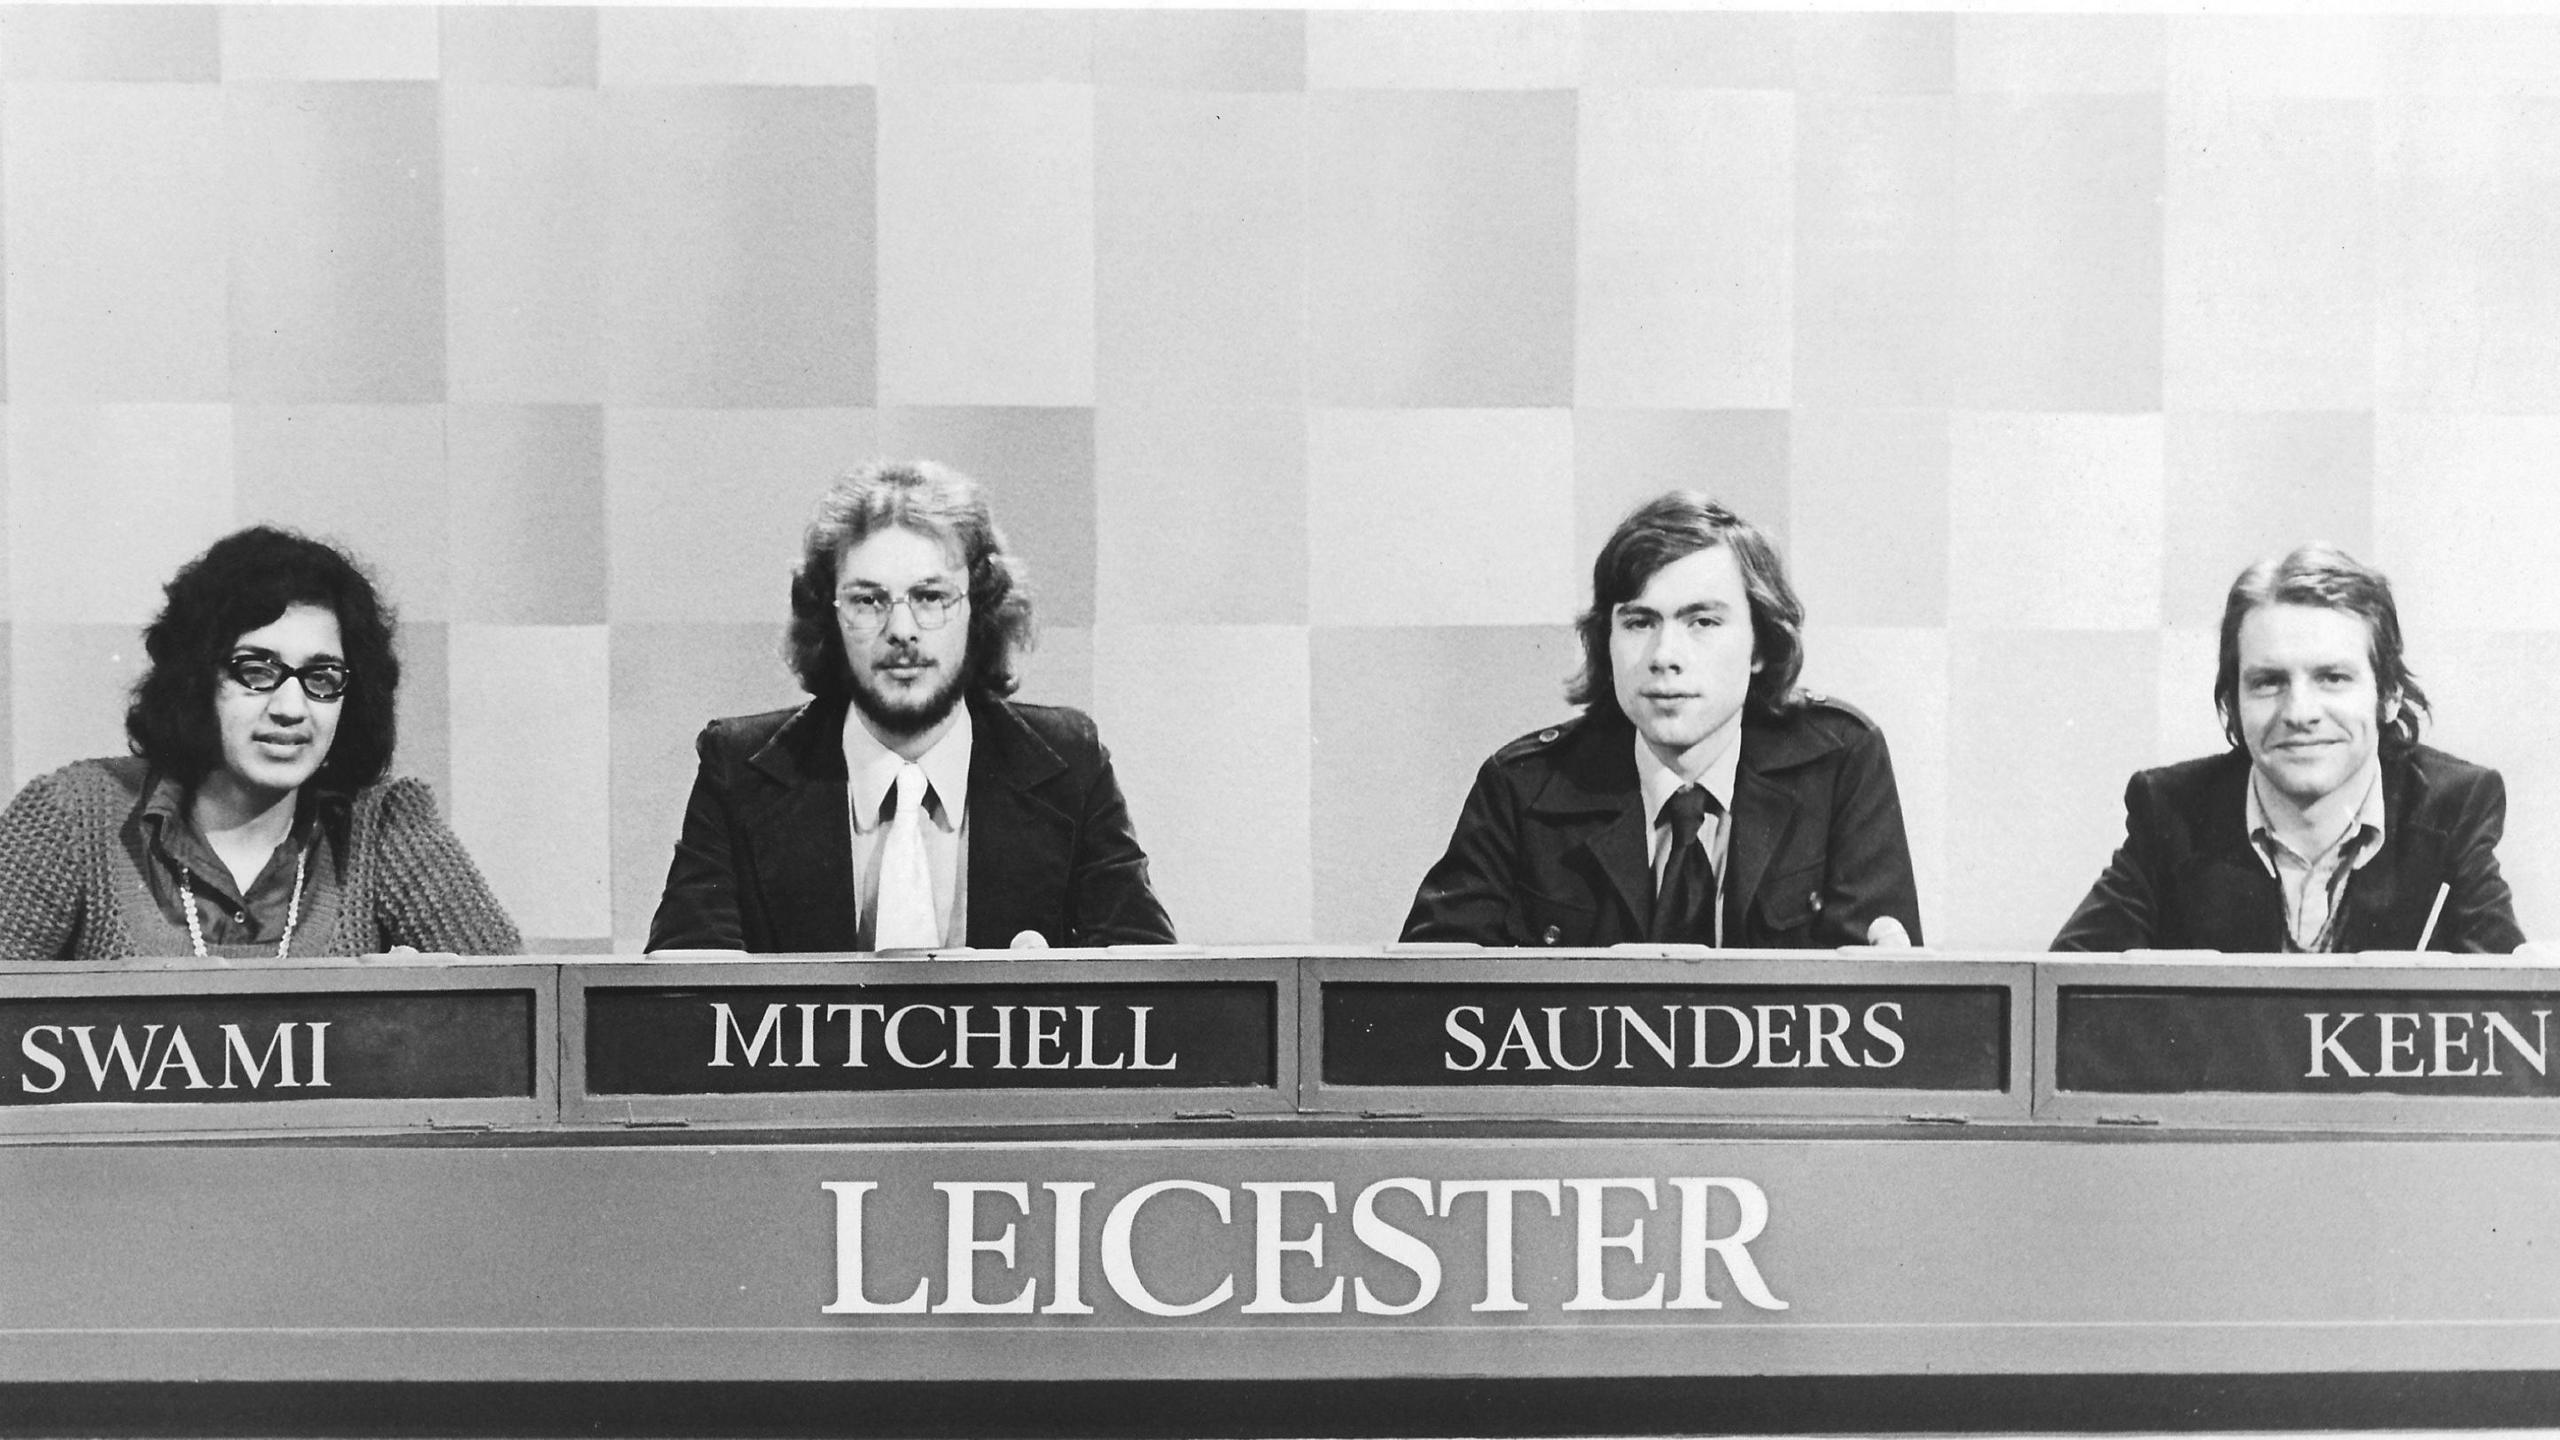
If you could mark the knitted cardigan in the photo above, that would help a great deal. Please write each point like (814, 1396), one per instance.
(73, 887)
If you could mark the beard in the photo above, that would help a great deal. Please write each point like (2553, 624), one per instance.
(909, 715)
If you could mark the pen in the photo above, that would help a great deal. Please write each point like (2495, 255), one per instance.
(2433, 912)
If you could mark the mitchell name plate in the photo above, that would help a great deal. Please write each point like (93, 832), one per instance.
(1715, 1037)
(2146, 1040)
(765, 1039)
(214, 1048)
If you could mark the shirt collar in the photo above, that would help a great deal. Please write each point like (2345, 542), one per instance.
(1660, 781)
(164, 802)
(164, 816)
(2363, 835)
(871, 769)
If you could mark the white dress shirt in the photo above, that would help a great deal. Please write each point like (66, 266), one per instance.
(872, 770)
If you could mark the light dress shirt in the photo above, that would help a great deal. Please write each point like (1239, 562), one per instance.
(2313, 884)
(1660, 782)
(872, 770)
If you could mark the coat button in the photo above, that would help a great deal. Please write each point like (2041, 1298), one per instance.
(1814, 900)
(1553, 934)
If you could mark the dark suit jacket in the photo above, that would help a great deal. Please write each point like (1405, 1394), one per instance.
(2187, 877)
(765, 862)
(1551, 846)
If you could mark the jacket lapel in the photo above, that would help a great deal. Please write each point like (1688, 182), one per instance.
(1595, 805)
(1020, 841)
(2224, 889)
(1763, 811)
(2231, 894)
(2388, 900)
(2375, 892)
(1617, 849)
(801, 834)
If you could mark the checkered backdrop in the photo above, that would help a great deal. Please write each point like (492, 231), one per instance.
(1307, 357)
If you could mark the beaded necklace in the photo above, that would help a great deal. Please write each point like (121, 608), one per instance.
(292, 909)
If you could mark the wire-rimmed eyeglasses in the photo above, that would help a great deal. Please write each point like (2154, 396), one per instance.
(867, 610)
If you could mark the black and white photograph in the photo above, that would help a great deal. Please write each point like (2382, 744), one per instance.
(1076, 721)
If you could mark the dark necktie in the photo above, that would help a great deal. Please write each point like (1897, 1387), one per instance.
(1685, 911)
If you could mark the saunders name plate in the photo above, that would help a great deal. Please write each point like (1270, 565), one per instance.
(1695, 1036)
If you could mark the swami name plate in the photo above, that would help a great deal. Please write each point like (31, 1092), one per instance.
(189, 1048)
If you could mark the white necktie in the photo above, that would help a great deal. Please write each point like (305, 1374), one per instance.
(907, 920)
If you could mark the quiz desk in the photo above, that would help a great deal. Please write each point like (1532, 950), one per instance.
(1420, 1189)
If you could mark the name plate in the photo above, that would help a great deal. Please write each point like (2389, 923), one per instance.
(799, 1039)
(2145, 1040)
(1695, 1037)
(219, 1048)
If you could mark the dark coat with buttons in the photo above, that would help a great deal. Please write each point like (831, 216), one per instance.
(2188, 878)
(765, 863)
(1551, 847)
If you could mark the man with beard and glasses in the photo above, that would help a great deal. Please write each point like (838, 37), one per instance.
(908, 804)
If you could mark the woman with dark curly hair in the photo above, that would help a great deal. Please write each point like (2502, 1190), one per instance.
(253, 817)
